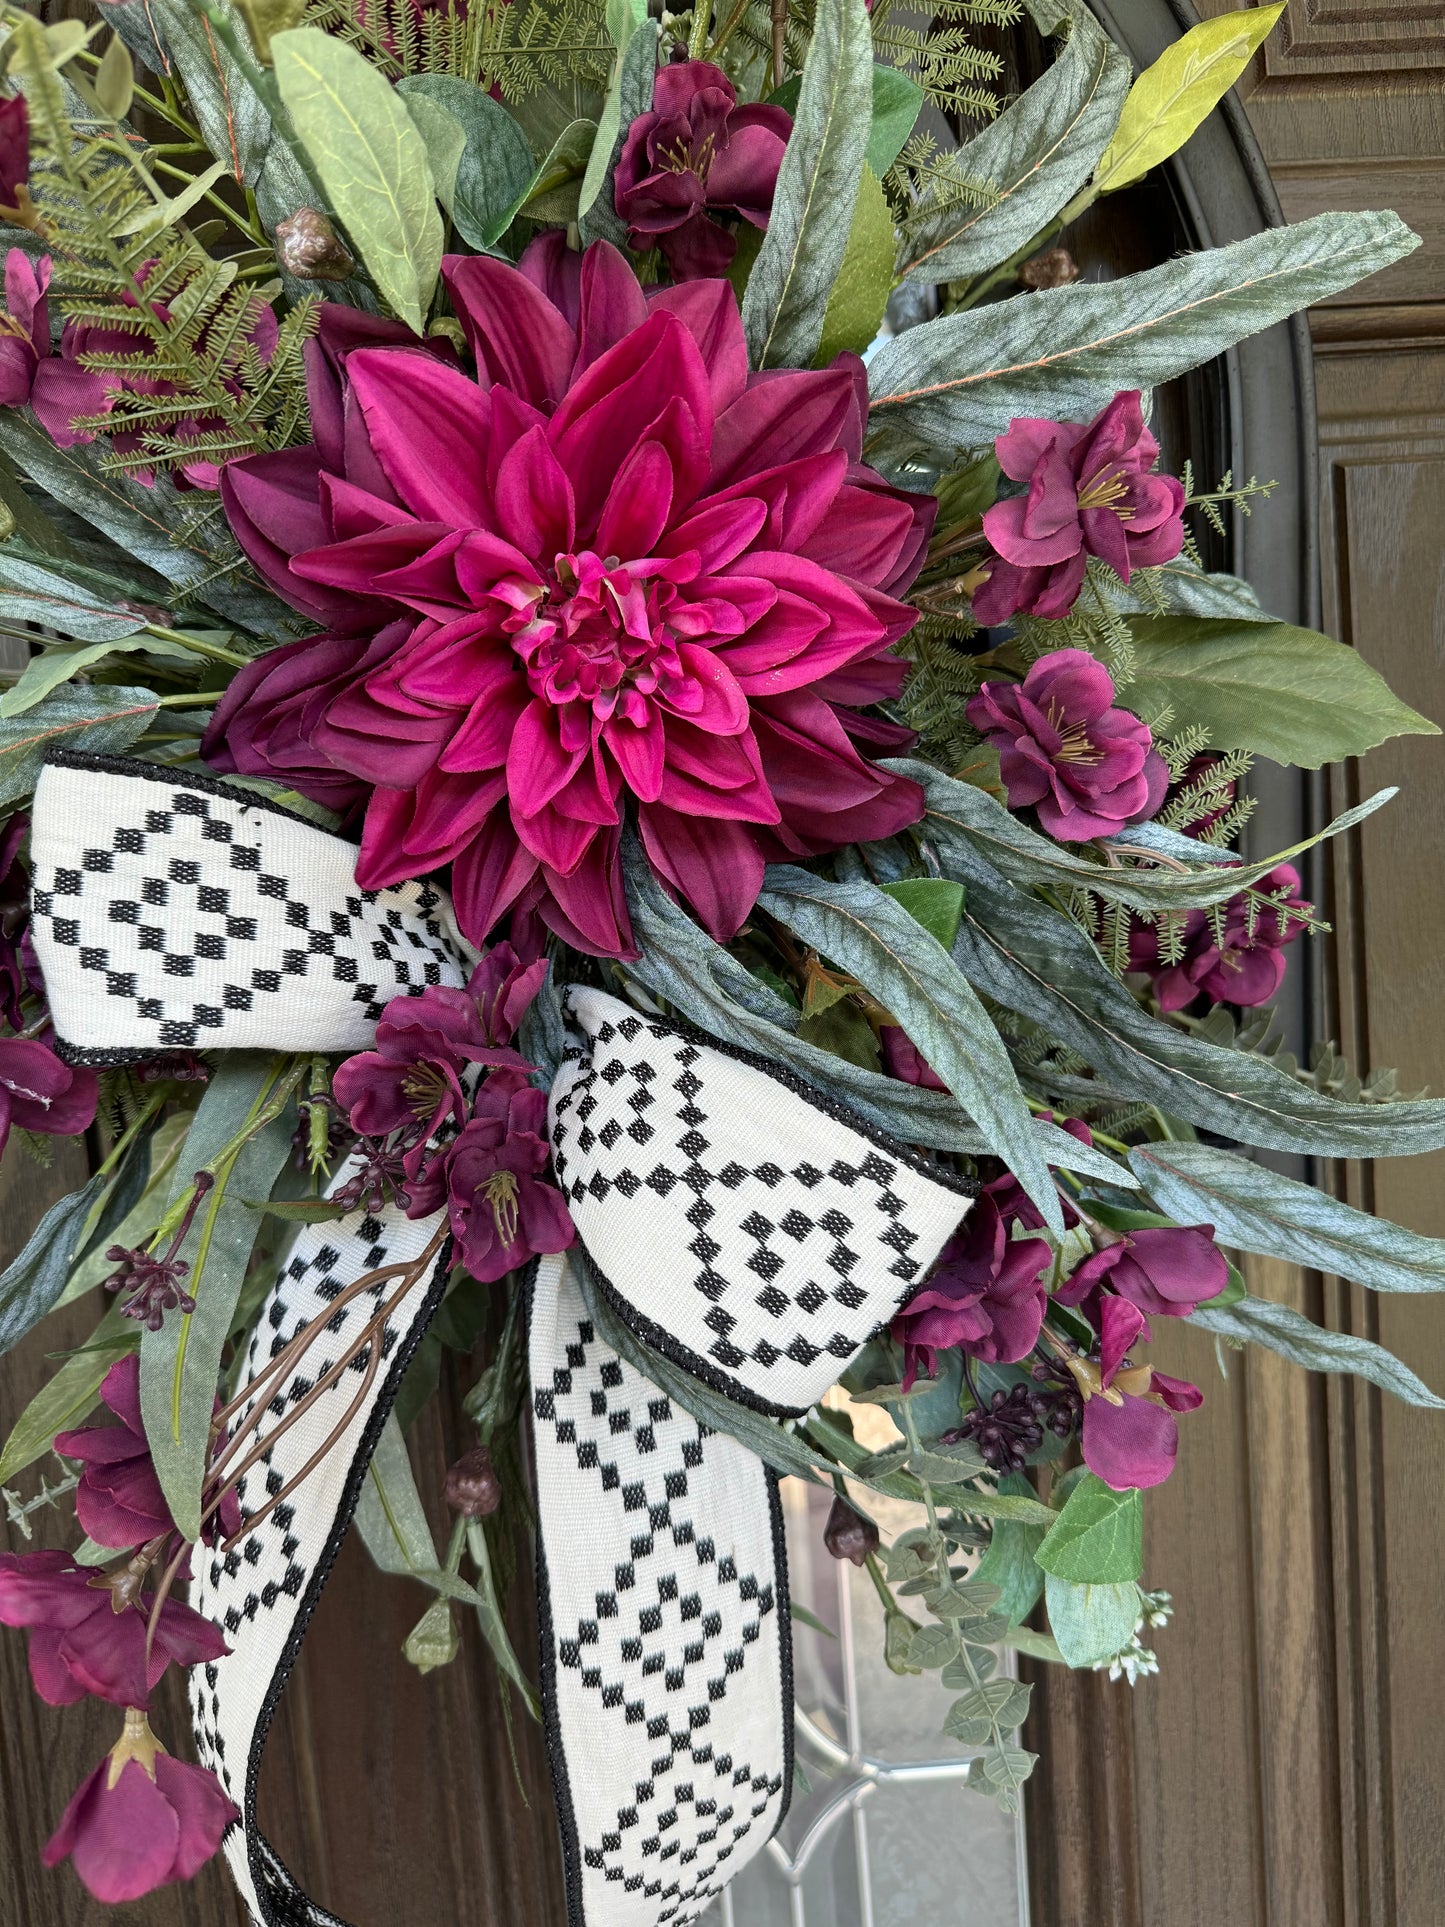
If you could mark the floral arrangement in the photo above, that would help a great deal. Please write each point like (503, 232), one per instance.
(639, 508)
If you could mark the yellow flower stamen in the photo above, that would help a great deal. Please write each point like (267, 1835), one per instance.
(500, 1192)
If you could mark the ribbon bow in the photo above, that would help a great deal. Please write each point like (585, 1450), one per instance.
(736, 1220)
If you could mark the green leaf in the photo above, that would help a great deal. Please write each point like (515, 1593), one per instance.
(1256, 1209)
(911, 975)
(960, 814)
(1039, 963)
(1009, 1561)
(31, 1285)
(1279, 1328)
(60, 663)
(444, 139)
(860, 293)
(267, 17)
(102, 719)
(1170, 99)
(1194, 593)
(812, 215)
(114, 81)
(65, 1399)
(566, 162)
(1098, 1538)
(1293, 695)
(1090, 1623)
(298, 1210)
(1000, 1706)
(897, 103)
(1032, 158)
(494, 167)
(628, 94)
(371, 160)
(140, 1219)
(712, 989)
(181, 1363)
(953, 384)
(932, 1647)
(167, 213)
(935, 902)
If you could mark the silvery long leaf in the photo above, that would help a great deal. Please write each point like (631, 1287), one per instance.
(1256, 1209)
(955, 383)
(910, 973)
(711, 989)
(30, 1287)
(1039, 963)
(1258, 1321)
(1034, 156)
(803, 249)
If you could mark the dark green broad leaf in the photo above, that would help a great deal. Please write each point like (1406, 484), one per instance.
(911, 974)
(1038, 962)
(1000, 1706)
(935, 902)
(1030, 160)
(1290, 694)
(628, 95)
(1279, 1328)
(34, 594)
(1098, 1538)
(181, 1363)
(955, 383)
(812, 214)
(681, 964)
(962, 813)
(1256, 1209)
(496, 163)
(1090, 1623)
(32, 1284)
(1009, 1562)
(97, 717)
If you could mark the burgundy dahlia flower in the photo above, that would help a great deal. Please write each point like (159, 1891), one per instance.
(1165, 1271)
(141, 1819)
(39, 1093)
(696, 150)
(613, 571)
(24, 326)
(1245, 965)
(502, 1209)
(1091, 491)
(986, 1294)
(80, 1643)
(1087, 767)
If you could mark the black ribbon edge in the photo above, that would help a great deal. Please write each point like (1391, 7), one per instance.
(284, 1903)
(653, 1335)
(547, 1658)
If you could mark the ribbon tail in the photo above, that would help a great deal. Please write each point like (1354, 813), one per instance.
(666, 1656)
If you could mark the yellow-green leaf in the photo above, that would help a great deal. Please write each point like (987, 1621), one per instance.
(445, 139)
(860, 294)
(266, 18)
(371, 160)
(115, 79)
(1170, 99)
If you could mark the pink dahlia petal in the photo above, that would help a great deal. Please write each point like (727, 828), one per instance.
(715, 865)
(489, 876)
(785, 414)
(519, 338)
(709, 312)
(610, 303)
(427, 424)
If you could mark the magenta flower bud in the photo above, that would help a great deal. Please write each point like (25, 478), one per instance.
(1091, 491)
(141, 1820)
(698, 150)
(1064, 749)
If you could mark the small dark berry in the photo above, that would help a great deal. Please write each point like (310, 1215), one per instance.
(472, 1486)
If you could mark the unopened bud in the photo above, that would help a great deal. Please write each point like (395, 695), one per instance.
(308, 247)
(1055, 268)
(472, 1487)
(848, 1535)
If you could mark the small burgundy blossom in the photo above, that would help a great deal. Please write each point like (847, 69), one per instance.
(986, 1294)
(501, 1207)
(1167, 1271)
(119, 1501)
(1091, 491)
(1245, 966)
(141, 1820)
(1014, 1202)
(1087, 767)
(151, 1280)
(24, 326)
(1135, 1443)
(15, 160)
(39, 1093)
(694, 151)
(848, 1535)
(88, 1629)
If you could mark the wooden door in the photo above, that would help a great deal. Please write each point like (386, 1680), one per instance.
(1288, 1767)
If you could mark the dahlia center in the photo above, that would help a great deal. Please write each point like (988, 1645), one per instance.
(596, 634)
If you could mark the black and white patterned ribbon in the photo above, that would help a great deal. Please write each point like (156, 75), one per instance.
(735, 1219)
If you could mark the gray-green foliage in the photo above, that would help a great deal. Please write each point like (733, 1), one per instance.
(1282, 1329)
(33, 1282)
(803, 249)
(954, 383)
(629, 95)
(101, 718)
(1032, 158)
(495, 163)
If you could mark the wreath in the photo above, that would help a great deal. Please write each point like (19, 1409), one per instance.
(629, 765)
